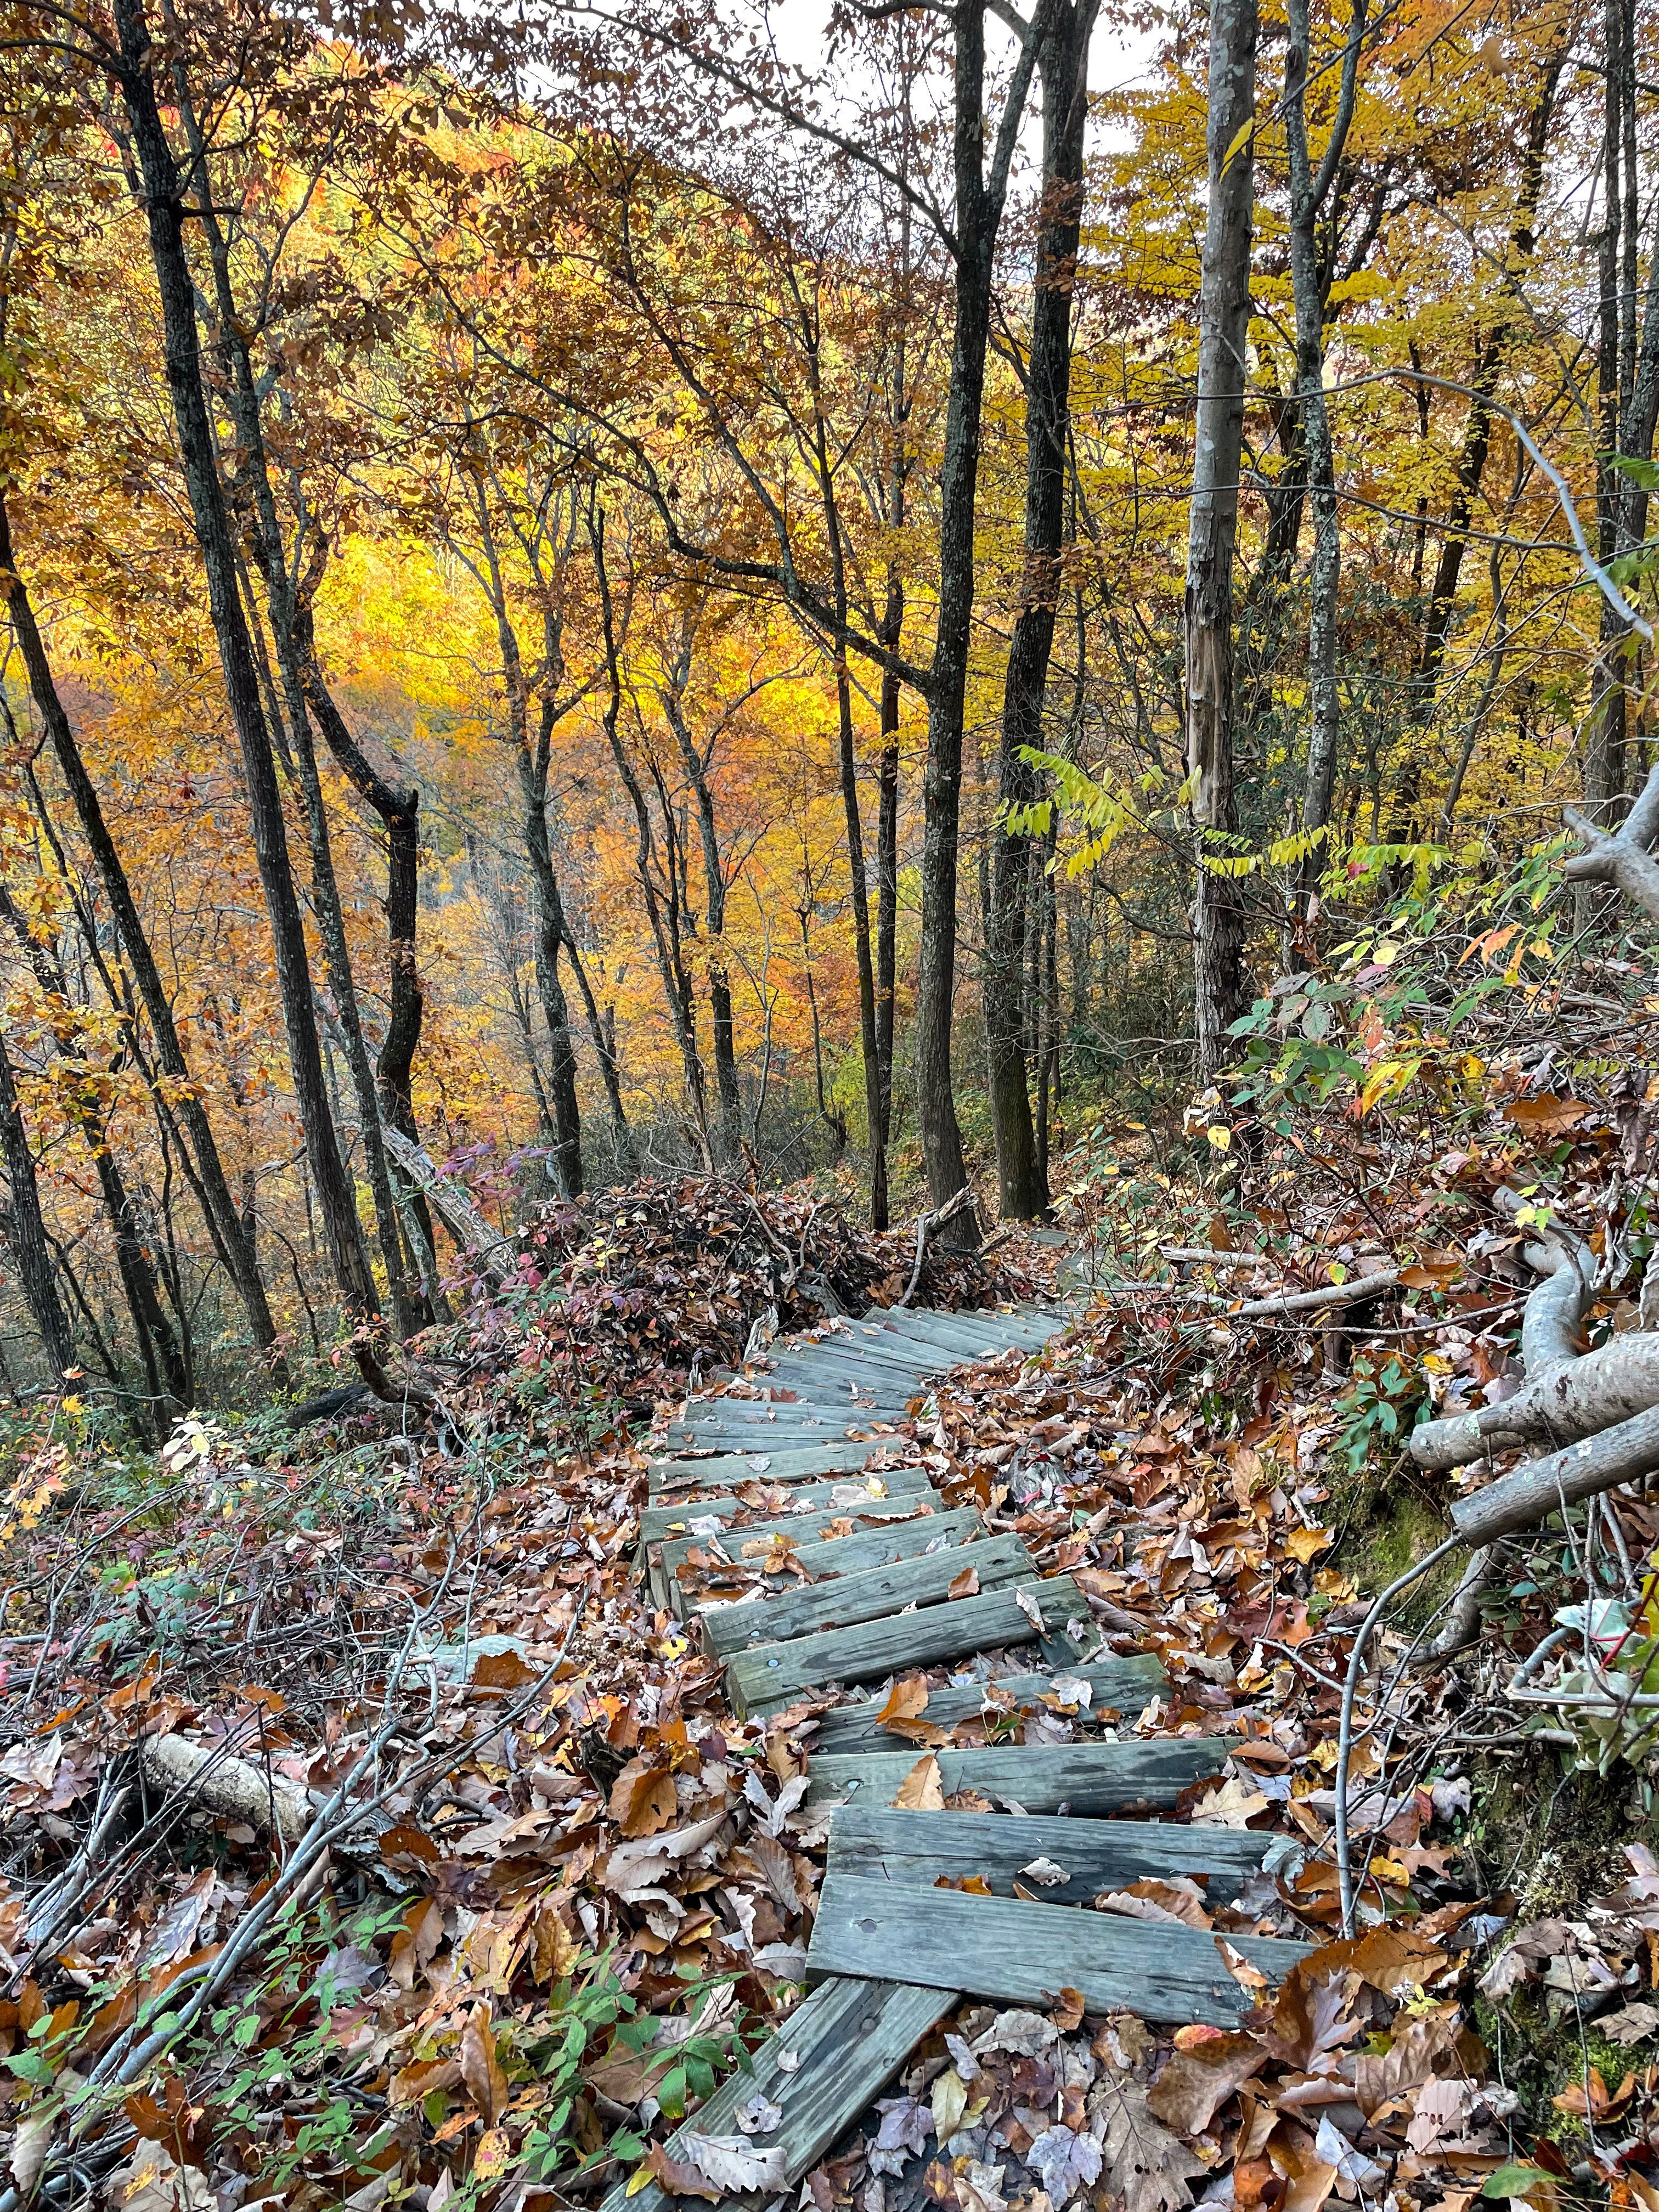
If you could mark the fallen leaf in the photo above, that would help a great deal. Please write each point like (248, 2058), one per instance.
(906, 1701)
(1197, 2081)
(494, 2154)
(948, 2101)
(481, 2069)
(30, 2143)
(1045, 1873)
(758, 2117)
(965, 1585)
(734, 2164)
(1028, 1605)
(1631, 2023)
(643, 1799)
(1066, 2009)
(1231, 1804)
(922, 1790)
(1147, 2166)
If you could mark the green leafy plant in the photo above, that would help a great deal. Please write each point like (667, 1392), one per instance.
(1377, 1409)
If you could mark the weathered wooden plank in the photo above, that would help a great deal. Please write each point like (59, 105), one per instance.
(716, 1477)
(896, 1538)
(917, 1850)
(776, 1674)
(827, 1405)
(1125, 1684)
(740, 1467)
(793, 1431)
(805, 1533)
(872, 1595)
(1089, 1778)
(850, 2038)
(673, 1516)
(1019, 1953)
(879, 1355)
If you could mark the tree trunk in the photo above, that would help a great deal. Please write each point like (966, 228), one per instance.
(165, 1363)
(1309, 193)
(729, 1120)
(1225, 316)
(399, 810)
(1021, 1164)
(676, 984)
(979, 205)
(26, 1232)
(1491, 349)
(164, 217)
(218, 1205)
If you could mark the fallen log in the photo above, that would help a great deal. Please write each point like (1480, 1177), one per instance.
(1543, 1487)
(1569, 1393)
(233, 1787)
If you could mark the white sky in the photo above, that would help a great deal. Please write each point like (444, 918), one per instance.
(1117, 59)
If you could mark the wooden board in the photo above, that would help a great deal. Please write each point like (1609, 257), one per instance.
(1024, 1954)
(850, 2037)
(881, 1357)
(734, 1466)
(776, 1675)
(916, 1850)
(838, 1555)
(1124, 1683)
(734, 1470)
(1089, 1778)
(661, 1519)
(822, 1554)
(856, 1423)
(869, 1596)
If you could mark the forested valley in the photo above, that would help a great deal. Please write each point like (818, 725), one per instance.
(828, 1105)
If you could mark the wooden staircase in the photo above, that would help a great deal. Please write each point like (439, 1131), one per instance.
(891, 1951)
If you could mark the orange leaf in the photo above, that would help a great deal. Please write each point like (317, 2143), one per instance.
(1546, 1115)
(922, 1790)
(906, 1701)
(965, 1585)
(1066, 2010)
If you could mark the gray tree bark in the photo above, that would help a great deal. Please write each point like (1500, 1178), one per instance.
(1223, 326)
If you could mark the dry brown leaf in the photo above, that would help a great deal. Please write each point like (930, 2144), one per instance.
(1201, 2073)
(906, 1701)
(965, 1585)
(481, 2069)
(1146, 2168)
(922, 1790)
(643, 1799)
(1066, 2009)
(555, 1951)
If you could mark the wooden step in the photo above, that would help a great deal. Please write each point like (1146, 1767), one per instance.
(906, 1526)
(857, 1425)
(844, 2043)
(1089, 1778)
(716, 1476)
(739, 1466)
(917, 1850)
(1025, 1954)
(1125, 1684)
(776, 1675)
(972, 1339)
(839, 1556)
(875, 1594)
(663, 1517)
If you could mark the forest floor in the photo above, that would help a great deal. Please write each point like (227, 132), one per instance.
(374, 1837)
